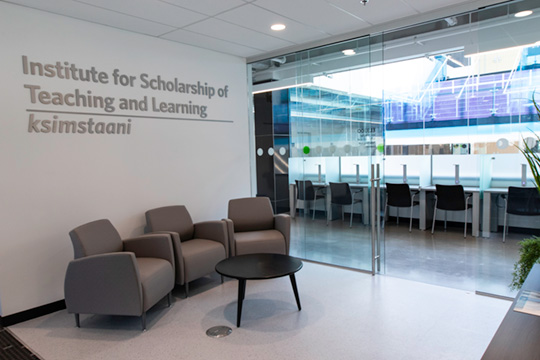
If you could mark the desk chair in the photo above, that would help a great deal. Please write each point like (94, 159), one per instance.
(306, 191)
(340, 194)
(399, 196)
(451, 198)
(524, 201)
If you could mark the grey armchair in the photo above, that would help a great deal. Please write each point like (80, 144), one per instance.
(113, 277)
(253, 227)
(198, 247)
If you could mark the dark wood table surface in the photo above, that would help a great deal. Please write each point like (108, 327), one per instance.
(518, 336)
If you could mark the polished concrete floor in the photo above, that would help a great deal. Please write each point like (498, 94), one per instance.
(445, 258)
(346, 315)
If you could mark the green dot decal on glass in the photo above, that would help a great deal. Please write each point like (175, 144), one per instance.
(306, 150)
(380, 148)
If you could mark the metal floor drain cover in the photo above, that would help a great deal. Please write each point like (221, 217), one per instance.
(218, 331)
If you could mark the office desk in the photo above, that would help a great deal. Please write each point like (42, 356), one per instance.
(424, 216)
(517, 336)
(486, 214)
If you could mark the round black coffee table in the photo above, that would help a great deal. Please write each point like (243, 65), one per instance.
(259, 267)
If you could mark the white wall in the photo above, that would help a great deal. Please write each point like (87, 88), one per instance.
(52, 182)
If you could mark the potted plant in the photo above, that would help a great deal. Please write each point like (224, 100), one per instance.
(530, 247)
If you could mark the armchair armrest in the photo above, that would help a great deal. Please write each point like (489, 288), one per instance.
(151, 245)
(178, 256)
(213, 230)
(230, 236)
(282, 223)
(106, 284)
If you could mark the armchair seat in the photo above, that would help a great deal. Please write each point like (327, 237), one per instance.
(156, 277)
(263, 241)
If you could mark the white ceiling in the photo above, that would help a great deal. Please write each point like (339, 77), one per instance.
(242, 27)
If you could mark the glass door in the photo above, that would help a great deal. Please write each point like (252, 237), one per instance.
(336, 135)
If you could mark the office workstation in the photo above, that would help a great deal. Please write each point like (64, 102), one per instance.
(422, 173)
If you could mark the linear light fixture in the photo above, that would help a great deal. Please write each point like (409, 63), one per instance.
(278, 27)
(283, 84)
(523, 13)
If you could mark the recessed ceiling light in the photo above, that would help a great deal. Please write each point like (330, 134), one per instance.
(523, 13)
(278, 27)
(348, 52)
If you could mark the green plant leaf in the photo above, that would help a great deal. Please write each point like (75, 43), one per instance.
(529, 254)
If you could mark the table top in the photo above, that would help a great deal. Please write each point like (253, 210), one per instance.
(518, 334)
(473, 189)
(258, 266)
(497, 190)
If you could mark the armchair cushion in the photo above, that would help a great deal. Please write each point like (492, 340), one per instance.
(251, 214)
(157, 278)
(171, 218)
(105, 238)
(263, 241)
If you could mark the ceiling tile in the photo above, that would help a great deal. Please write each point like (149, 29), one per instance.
(316, 13)
(430, 5)
(96, 15)
(376, 11)
(225, 31)
(240, 27)
(153, 10)
(260, 20)
(206, 42)
(207, 7)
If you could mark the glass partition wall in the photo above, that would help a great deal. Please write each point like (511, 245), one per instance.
(443, 102)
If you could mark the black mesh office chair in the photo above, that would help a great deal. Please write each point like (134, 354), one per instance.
(306, 191)
(524, 201)
(451, 198)
(340, 194)
(400, 196)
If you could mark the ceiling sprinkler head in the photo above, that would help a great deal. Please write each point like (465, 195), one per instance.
(364, 2)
